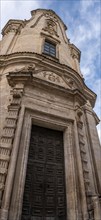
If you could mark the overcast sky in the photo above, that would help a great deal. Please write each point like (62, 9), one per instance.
(82, 17)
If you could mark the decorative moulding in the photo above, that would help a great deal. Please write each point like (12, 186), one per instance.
(54, 78)
(49, 64)
(43, 74)
(51, 27)
(50, 14)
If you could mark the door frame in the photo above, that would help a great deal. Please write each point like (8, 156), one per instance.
(53, 122)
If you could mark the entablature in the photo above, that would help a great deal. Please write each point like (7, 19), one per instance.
(17, 61)
(28, 78)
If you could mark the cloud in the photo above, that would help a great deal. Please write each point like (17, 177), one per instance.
(91, 63)
(85, 32)
(86, 5)
(96, 84)
(13, 9)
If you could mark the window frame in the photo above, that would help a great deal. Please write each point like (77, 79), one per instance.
(51, 46)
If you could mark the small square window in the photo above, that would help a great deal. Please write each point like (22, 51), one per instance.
(50, 48)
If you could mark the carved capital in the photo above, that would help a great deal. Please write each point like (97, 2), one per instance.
(88, 107)
(13, 26)
(19, 77)
(75, 56)
(75, 52)
(17, 91)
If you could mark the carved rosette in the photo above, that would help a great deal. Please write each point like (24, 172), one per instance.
(6, 142)
(84, 160)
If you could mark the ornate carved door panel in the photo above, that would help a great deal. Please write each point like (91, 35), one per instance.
(44, 193)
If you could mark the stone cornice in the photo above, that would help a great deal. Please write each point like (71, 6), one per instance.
(49, 64)
(54, 38)
(27, 78)
(19, 77)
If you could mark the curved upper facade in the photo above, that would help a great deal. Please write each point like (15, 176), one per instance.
(30, 36)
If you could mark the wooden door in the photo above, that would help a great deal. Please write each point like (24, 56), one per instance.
(44, 193)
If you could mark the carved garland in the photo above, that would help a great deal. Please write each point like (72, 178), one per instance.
(8, 135)
(84, 165)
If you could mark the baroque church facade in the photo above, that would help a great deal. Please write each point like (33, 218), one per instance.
(50, 155)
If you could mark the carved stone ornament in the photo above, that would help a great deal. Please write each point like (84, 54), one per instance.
(88, 105)
(17, 94)
(17, 91)
(75, 52)
(13, 26)
(75, 55)
(53, 78)
(50, 15)
(26, 68)
(51, 27)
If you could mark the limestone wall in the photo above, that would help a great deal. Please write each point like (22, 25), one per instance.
(30, 37)
(4, 101)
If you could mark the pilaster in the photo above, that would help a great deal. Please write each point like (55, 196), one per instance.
(95, 157)
(10, 140)
(6, 145)
(71, 184)
(84, 161)
(94, 143)
(80, 153)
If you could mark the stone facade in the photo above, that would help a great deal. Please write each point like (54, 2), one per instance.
(48, 91)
